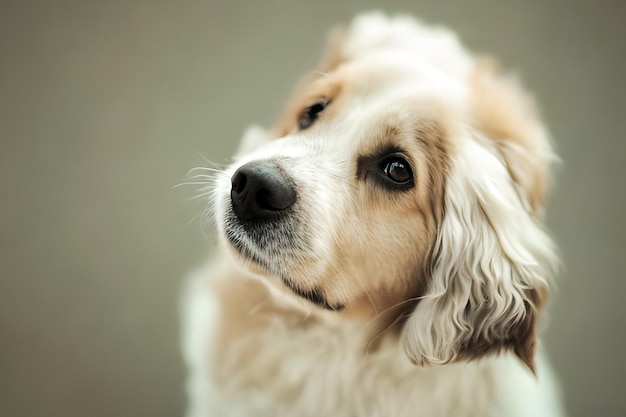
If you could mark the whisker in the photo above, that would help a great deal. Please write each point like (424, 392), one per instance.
(193, 219)
(208, 161)
(204, 169)
(371, 321)
(205, 179)
(206, 194)
(254, 310)
(307, 315)
(190, 183)
(191, 177)
(379, 334)
(356, 273)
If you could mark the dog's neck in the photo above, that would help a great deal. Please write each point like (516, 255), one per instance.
(302, 354)
(373, 323)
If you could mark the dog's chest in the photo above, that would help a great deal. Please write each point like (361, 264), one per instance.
(281, 367)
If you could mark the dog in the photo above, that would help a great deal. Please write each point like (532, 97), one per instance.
(381, 248)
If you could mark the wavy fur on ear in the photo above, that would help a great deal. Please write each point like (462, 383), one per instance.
(490, 267)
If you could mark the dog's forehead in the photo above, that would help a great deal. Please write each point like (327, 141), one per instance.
(387, 92)
(392, 74)
(371, 84)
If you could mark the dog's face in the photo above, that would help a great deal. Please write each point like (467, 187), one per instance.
(360, 169)
(384, 182)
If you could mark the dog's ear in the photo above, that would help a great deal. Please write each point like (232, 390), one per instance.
(334, 51)
(489, 271)
(503, 112)
(492, 261)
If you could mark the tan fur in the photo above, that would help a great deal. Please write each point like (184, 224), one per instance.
(501, 114)
(453, 268)
(422, 126)
(507, 115)
(303, 95)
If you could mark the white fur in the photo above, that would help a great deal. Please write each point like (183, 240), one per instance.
(322, 372)
(438, 47)
(489, 247)
(200, 313)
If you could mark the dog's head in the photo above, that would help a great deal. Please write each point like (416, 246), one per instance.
(403, 170)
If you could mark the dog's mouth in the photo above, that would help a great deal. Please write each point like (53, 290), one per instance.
(315, 296)
(266, 244)
(273, 263)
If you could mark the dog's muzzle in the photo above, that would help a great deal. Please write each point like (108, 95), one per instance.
(267, 229)
(260, 191)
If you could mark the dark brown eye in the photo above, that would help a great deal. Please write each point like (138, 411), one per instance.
(397, 170)
(311, 113)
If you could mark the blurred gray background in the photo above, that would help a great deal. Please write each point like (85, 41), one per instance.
(104, 106)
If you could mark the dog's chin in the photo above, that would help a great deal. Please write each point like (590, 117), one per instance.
(253, 250)
(271, 266)
(246, 253)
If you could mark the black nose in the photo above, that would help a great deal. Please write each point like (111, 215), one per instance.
(260, 190)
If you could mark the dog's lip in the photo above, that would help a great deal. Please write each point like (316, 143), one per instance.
(313, 295)
(243, 249)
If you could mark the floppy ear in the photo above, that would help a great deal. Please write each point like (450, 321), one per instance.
(490, 267)
(492, 260)
(504, 113)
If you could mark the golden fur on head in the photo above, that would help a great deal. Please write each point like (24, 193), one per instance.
(457, 256)
(389, 222)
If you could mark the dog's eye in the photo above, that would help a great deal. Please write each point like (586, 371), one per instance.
(397, 170)
(311, 113)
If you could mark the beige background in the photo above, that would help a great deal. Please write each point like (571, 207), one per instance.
(104, 106)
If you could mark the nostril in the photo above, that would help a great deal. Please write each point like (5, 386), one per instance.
(264, 199)
(239, 182)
